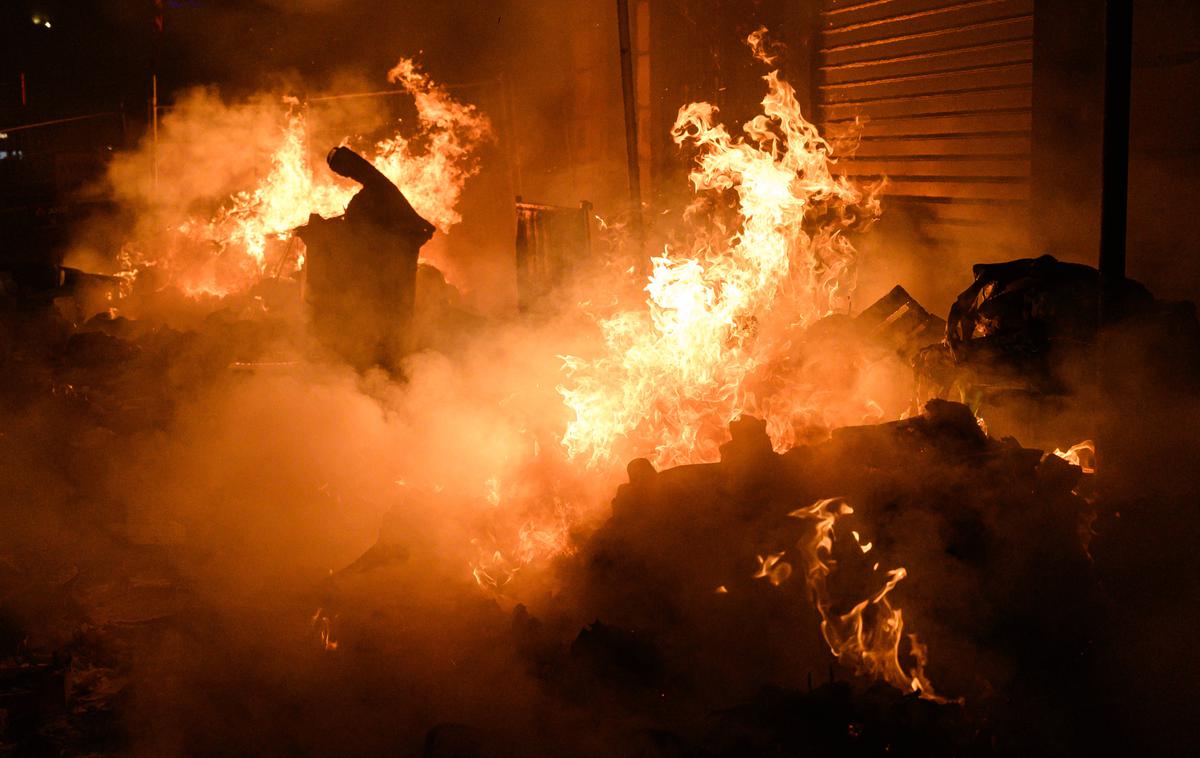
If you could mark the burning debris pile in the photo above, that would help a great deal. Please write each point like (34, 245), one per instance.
(817, 547)
(758, 604)
(917, 546)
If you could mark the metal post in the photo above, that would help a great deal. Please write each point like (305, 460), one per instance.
(1114, 197)
(510, 129)
(154, 125)
(1118, 44)
(631, 132)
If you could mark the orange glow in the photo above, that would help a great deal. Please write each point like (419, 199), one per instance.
(721, 313)
(1081, 454)
(867, 637)
(250, 236)
(323, 623)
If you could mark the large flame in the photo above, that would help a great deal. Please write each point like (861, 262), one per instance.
(251, 235)
(721, 312)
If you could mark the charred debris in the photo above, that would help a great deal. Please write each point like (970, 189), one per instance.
(1018, 568)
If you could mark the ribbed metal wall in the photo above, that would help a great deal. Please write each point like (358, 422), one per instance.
(939, 93)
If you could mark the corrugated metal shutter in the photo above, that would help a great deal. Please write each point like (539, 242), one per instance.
(943, 89)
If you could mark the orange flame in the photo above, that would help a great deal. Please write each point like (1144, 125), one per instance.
(323, 623)
(544, 534)
(758, 45)
(248, 237)
(867, 637)
(719, 315)
(773, 569)
(1081, 454)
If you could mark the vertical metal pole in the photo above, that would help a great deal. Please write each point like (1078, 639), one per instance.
(510, 119)
(631, 131)
(155, 49)
(154, 124)
(1114, 197)
(810, 27)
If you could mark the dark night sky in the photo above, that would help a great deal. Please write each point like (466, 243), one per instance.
(97, 55)
(74, 66)
(528, 65)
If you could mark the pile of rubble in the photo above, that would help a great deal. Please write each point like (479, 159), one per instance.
(999, 587)
(685, 624)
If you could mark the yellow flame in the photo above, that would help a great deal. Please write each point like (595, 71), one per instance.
(324, 626)
(1081, 454)
(867, 637)
(719, 314)
(247, 235)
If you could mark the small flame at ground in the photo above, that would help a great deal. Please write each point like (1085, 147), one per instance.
(866, 637)
(543, 536)
(1081, 454)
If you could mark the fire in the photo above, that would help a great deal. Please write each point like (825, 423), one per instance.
(720, 313)
(323, 623)
(866, 637)
(535, 543)
(773, 569)
(1081, 454)
(757, 42)
(544, 533)
(251, 235)
(713, 343)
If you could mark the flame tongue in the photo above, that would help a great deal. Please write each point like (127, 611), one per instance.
(866, 637)
(672, 376)
(1081, 454)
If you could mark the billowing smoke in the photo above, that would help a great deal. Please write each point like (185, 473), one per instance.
(223, 540)
(219, 191)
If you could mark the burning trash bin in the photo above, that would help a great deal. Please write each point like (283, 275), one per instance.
(361, 268)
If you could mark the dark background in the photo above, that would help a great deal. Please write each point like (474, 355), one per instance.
(547, 73)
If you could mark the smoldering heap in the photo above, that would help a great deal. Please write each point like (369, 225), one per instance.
(188, 573)
(980, 523)
(688, 623)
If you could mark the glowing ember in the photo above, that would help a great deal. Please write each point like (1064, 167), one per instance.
(720, 315)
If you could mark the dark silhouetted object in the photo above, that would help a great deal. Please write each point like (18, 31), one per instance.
(361, 268)
(551, 242)
(898, 321)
